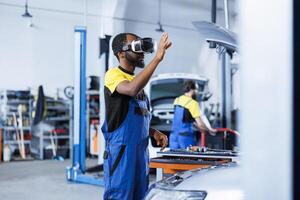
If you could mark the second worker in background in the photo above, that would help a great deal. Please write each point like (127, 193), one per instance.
(186, 113)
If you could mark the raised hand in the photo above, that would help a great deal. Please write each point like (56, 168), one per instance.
(164, 44)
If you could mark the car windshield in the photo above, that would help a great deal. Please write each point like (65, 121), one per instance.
(172, 88)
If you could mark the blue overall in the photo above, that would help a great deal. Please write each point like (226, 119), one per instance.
(182, 134)
(126, 156)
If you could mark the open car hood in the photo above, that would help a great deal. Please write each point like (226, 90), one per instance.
(217, 34)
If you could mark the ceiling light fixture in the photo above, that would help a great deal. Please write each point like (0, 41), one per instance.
(27, 15)
(160, 28)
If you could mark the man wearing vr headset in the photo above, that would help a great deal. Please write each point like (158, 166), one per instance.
(126, 127)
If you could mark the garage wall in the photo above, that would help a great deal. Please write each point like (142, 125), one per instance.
(43, 54)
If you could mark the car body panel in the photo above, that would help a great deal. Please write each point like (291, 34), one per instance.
(219, 182)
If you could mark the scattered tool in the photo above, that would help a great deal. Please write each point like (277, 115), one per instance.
(54, 146)
(175, 160)
(20, 110)
(18, 135)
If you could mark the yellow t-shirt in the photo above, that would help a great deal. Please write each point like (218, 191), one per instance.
(190, 104)
(114, 77)
(116, 104)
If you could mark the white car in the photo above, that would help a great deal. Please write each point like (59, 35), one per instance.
(215, 183)
(162, 91)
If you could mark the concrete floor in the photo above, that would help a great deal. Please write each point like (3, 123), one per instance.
(42, 180)
(45, 180)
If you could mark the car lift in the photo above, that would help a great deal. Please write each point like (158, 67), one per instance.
(77, 172)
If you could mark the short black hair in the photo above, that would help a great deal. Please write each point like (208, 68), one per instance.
(189, 85)
(119, 41)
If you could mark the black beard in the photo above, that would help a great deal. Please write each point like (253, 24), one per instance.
(134, 60)
(194, 96)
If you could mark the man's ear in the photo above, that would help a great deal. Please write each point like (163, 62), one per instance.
(121, 54)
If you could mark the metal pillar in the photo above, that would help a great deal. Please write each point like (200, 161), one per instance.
(76, 172)
(226, 90)
(213, 19)
(226, 79)
(226, 13)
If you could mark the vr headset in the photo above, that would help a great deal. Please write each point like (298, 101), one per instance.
(141, 45)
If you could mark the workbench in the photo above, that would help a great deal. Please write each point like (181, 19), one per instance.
(173, 161)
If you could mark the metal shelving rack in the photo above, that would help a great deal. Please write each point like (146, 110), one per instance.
(42, 135)
(9, 102)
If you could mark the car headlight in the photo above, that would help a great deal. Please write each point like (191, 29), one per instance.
(169, 194)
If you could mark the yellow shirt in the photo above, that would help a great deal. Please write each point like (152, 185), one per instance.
(190, 104)
(114, 77)
(116, 104)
